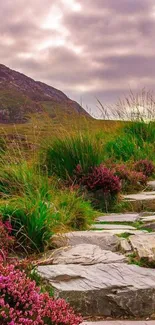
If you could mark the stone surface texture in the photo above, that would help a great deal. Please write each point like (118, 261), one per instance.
(115, 289)
(86, 254)
(107, 241)
(119, 217)
(113, 227)
(121, 322)
(144, 245)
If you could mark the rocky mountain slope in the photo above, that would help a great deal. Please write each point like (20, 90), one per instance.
(21, 96)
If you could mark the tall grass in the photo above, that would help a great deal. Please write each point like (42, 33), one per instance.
(136, 141)
(63, 155)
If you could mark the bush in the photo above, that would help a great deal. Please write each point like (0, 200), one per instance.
(22, 303)
(145, 166)
(101, 184)
(62, 157)
(131, 180)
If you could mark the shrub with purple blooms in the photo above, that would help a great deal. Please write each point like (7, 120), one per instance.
(131, 180)
(101, 185)
(22, 303)
(145, 166)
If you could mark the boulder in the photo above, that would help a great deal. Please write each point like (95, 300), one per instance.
(113, 290)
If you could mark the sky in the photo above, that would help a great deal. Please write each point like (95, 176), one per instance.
(89, 49)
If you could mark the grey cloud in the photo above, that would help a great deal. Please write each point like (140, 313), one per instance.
(116, 38)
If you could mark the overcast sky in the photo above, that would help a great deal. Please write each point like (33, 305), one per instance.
(86, 48)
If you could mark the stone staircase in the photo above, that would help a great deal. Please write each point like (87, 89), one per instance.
(94, 271)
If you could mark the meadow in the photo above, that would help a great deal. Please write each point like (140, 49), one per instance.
(55, 176)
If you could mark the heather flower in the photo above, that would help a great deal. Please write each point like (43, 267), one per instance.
(22, 303)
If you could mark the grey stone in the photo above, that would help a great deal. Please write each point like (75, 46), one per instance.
(125, 246)
(112, 227)
(151, 185)
(121, 231)
(119, 217)
(121, 322)
(149, 218)
(115, 289)
(104, 240)
(140, 196)
(144, 245)
(149, 226)
(140, 201)
(85, 254)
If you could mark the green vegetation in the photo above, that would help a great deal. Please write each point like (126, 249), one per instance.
(61, 175)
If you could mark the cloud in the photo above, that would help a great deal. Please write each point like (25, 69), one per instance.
(86, 48)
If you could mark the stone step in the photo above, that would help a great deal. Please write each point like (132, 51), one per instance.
(112, 227)
(106, 290)
(121, 322)
(119, 217)
(141, 201)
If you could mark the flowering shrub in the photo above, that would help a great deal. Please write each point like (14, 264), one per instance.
(6, 240)
(130, 180)
(21, 302)
(100, 185)
(102, 178)
(145, 166)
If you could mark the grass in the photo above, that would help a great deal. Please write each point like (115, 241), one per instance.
(36, 199)
(63, 155)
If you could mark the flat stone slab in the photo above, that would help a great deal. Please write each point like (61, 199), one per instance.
(106, 241)
(119, 217)
(144, 245)
(121, 231)
(140, 196)
(85, 254)
(141, 201)
(121, 322)
(112, 290)
(112, 227)
(148, 218)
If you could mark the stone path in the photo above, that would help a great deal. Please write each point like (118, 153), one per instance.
(93, 271)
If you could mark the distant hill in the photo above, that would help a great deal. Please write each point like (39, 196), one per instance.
(21, 96)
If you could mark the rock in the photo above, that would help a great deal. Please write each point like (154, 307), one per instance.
(85, 254)
(104, 240)
(116, 217)
(121, 231)
(149, 218)
(151, 185)
(144, 245)
(148, 226)
(113, 227)
(113, 290)
(141, 201)
(125, 246)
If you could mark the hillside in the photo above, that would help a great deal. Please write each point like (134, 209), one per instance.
(21, 96)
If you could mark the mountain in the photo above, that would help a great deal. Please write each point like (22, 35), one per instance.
(21, 96)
